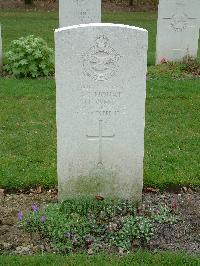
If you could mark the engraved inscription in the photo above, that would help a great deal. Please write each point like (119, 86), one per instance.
(84, 16)
(103, 103)
(100, 137)
(83, 13)
(81, 1)
(101, 61)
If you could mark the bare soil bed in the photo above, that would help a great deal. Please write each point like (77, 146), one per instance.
(123, 5)
(182, 236)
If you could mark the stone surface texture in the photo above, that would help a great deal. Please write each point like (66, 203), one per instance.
(74, 12)
(101, 90)
(177, 29)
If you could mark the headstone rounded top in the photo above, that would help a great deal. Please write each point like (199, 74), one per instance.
(101, 25)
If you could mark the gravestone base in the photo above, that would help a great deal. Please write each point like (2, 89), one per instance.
(101, 182)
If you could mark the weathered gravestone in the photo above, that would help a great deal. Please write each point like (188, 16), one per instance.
(101, 88)
(1, 52)
(178, 29)
(74, 12)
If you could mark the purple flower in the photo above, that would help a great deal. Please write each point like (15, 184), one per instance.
(43, 219)
(35, 208)
(20, 216)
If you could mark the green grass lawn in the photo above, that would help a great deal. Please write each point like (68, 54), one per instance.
(28, 133)
(136, 259)
(16, 24)
(27, 121)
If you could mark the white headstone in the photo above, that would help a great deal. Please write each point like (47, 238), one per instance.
(178, 29)
(74, 12)
(101, 89)
(1, 51)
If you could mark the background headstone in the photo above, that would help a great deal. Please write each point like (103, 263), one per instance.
(101, 89)
(178, 29)
(1, 51)
(74, 12)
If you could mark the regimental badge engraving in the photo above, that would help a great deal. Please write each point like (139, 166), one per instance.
(101, 61)
(179, 22)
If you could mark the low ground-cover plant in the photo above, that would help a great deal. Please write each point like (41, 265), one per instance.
(189, 67)
(30, 57)
(90, 224)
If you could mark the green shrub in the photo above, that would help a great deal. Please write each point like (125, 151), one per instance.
(30, 57)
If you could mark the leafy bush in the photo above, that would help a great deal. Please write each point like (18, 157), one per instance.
(30, 57)
(81, 224)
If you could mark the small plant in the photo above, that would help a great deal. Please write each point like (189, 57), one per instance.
(188, 67)
(138, 227)
(30, 57)
(191, 66)
(85, 223)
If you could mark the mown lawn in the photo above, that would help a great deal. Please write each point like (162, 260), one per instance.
(136, 259)
(22, 23)
(28, 133)
(28, 127)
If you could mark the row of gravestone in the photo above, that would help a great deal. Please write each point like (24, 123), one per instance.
(177, 31)
(178, 24)
(101, 88)
(100, 100)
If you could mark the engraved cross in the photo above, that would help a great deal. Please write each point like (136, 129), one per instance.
(100, 137)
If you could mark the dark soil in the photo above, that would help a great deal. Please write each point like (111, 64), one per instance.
(123, 5)
(182, 236)
(111, 5)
